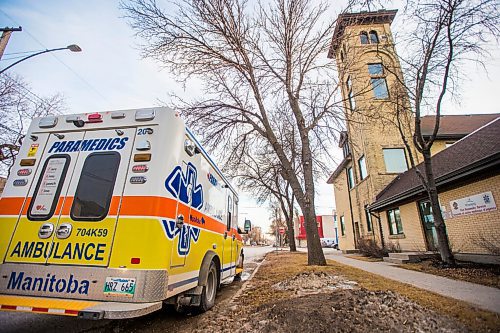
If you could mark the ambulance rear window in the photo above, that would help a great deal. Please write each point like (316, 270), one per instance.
(95, 187)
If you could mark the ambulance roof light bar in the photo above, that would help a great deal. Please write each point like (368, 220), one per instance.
(146, 114)
(47, 122)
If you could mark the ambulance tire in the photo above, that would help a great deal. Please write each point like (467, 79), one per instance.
(209, 290)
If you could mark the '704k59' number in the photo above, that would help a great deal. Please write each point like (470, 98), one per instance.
(91, 232)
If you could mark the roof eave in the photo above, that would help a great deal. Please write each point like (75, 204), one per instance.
(488, 162)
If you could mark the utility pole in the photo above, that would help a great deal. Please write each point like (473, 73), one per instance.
(6, 32)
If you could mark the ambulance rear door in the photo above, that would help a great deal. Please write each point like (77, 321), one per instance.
(32, 238)
(85, 230)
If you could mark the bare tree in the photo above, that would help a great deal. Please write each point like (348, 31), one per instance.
(259, 174)
(277, 222)
(447, 35)
(256, 64)
(18, 106)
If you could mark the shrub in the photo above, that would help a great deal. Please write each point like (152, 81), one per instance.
(368, 247)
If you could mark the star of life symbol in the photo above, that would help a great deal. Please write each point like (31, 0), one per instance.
(185, 187)
(186, 234)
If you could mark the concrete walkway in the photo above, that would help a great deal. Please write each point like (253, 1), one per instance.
(487, 298)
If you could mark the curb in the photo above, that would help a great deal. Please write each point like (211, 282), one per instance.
(245, 284)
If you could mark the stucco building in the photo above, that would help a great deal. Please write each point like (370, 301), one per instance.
(376, 161)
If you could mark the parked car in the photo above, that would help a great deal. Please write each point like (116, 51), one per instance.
(329, 242)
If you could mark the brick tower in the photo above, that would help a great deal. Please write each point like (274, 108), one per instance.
(374, 103)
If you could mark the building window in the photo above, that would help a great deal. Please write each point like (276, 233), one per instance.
(352, 102)
(350, 177)
(395, 160)
(350, 95)
(368, 219)
(380, 88)
(379, 85)
(376, 69)
(346, 150)
(342, 225)
(373, 37)
(394, 220)
(362, 168)
(363, 37)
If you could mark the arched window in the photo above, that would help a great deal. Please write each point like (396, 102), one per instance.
(373, 37)
(363, 36)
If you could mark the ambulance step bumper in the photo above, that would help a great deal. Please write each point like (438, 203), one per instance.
(82, 309)
(115, 310)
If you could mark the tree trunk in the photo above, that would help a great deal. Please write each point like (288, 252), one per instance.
(315, 251)
(293, 246)
(291, 233)
(439, 225)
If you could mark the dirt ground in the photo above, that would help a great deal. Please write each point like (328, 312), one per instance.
(488, 275)
(286, 295)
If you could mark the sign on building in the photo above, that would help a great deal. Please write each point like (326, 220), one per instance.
(479, 203)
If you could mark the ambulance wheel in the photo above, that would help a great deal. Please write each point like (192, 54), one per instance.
(210, 290)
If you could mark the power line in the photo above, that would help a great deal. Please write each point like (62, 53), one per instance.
(23, 87)
(58, 59)
(40, 99)
(12, 58)
(23, 52)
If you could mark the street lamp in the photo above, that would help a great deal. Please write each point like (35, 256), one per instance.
(72, 48)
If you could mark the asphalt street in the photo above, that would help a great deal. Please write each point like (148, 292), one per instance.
(28, 322)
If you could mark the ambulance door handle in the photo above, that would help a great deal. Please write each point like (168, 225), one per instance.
(46, 230)
(234, 237)
(64, 231)
(225, 234)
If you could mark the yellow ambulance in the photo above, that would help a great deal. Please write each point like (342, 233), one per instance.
(112, 214)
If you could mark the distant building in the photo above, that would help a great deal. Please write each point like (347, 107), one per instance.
(377, 196)
(327, 228)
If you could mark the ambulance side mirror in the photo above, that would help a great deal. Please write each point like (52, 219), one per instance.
(241, 232)
(247, 228)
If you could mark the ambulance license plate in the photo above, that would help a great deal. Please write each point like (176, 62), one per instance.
(119, 287)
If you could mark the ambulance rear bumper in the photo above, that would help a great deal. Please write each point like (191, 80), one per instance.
(81, 282)
(72, 307)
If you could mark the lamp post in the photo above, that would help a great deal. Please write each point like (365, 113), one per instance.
(72, 48)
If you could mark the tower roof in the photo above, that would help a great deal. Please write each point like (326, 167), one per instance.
(361, 18)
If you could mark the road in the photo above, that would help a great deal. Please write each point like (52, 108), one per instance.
(164, 320)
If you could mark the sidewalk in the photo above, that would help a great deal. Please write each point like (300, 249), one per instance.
(483, 297)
